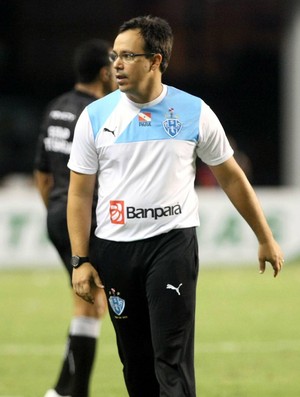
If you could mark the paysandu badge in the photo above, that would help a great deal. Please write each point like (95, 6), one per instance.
(172, 125)
(116, 302)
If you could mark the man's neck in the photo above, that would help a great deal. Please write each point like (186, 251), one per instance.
(147, 95)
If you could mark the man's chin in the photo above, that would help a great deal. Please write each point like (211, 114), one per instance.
(121, 86)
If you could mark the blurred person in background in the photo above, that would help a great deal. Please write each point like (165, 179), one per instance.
(141, 143)
(94, 78)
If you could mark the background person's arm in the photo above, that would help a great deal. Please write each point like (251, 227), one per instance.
(44, 184)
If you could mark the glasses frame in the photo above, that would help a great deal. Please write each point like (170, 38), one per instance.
(113, 56)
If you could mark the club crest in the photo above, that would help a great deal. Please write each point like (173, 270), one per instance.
(116, 303)
(172, 125)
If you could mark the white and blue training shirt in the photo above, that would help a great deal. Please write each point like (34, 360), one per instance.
(145, 155)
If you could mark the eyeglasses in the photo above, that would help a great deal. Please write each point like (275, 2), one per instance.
(127, 57)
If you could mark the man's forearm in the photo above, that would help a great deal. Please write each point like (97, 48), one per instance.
(242, 195)
(79, 211)
(79, 225)
(245, 200)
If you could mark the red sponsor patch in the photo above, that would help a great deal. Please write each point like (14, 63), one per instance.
(116, 212)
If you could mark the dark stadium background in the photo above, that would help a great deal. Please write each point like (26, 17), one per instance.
(226, 51)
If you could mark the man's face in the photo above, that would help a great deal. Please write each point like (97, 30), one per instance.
(136, 77)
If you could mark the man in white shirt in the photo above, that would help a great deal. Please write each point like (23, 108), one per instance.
(142, 142)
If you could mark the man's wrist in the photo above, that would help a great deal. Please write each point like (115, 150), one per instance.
(77, 260)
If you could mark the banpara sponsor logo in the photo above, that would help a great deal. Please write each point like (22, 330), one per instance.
(118, 210)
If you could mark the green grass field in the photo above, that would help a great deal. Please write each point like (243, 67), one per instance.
(247, 334)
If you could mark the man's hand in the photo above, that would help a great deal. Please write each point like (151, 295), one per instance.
(270, 252)
(85, 280)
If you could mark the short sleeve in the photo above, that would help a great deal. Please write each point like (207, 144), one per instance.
(213, 147)
(83, 157)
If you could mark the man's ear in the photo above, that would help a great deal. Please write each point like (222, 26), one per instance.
(156, 61)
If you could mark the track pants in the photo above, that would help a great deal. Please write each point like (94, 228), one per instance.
(151, 289)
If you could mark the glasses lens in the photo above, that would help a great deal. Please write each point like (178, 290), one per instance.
(128, 57)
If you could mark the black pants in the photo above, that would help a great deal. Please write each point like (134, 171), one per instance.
(151, 288)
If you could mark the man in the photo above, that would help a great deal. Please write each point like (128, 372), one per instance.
(94, 79)
(142, 142)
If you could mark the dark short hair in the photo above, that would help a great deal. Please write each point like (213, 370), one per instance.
(156, 33)
(89, 58)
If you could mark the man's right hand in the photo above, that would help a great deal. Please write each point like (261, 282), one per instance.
(85, 280)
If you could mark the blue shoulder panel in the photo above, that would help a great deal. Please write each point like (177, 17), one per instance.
(175, 117)
(183, 115)
(100, 110)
